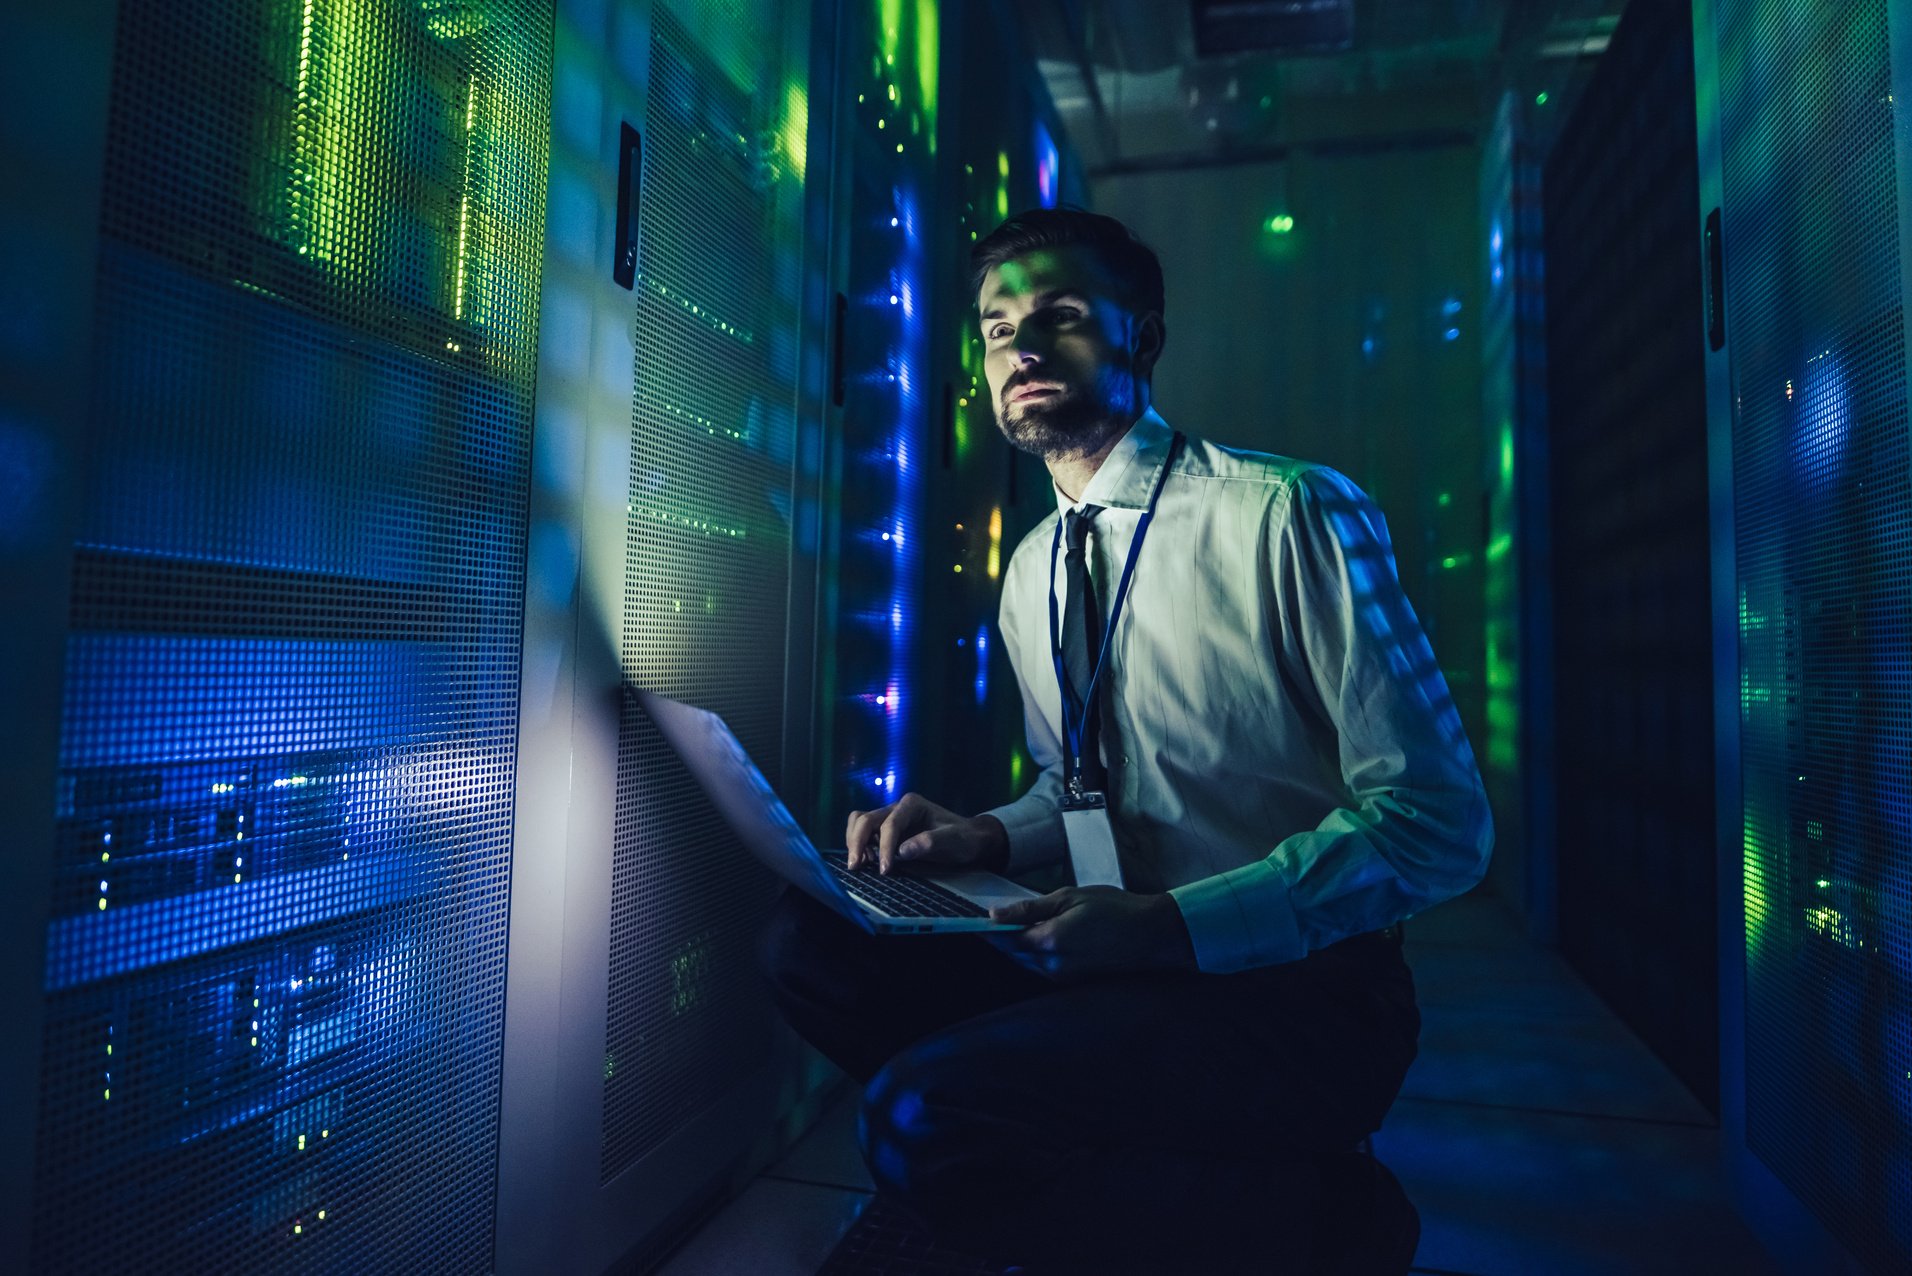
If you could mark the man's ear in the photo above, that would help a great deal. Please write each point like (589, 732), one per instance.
(1150, 336)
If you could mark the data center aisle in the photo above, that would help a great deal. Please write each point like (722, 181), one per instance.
(1536, 1134)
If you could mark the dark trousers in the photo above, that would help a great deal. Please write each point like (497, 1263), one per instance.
(1159, 1123)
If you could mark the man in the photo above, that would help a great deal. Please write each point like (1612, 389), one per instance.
(1172, 1075)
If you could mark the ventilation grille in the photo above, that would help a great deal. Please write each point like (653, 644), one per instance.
(707, 569)
(1631, 561)
(1825, 549)
(276, 964)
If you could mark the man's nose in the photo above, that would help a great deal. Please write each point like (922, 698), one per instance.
(1026, 350)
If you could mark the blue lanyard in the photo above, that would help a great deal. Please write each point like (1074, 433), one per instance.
(1072, 730)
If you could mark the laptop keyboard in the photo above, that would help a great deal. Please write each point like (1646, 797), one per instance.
(901, 895)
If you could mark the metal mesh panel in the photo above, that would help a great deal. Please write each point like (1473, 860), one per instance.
(1630, 562)
(707, 568)
(275, 970)
(1825, 549)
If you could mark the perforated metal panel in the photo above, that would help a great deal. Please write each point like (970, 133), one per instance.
(1816, 338)
(1630, 560)
(275, 971)
(707, 571)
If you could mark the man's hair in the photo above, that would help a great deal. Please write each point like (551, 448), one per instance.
(1131, 263)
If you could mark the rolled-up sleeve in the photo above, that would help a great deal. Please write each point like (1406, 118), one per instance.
(1416, 829)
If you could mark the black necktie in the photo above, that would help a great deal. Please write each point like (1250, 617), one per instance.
(1082, 640)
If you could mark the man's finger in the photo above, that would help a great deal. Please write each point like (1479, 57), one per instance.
(1029, 911)
(862, 831)
(921, 844)
(894, 828)
(849, 836)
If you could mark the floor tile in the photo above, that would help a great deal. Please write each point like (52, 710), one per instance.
(1474, 920)
(828, 1154)
(1509, 1193)
(1529, 979)
(1569, 1063)
(775, 1228)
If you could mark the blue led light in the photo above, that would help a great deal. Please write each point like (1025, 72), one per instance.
(982, 662)
(1048, 167)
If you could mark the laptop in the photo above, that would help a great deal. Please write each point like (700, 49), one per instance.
(915, 901)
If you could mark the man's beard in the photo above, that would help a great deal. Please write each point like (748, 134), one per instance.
(1071, 422)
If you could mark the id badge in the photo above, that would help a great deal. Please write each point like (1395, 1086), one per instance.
(1085, 823)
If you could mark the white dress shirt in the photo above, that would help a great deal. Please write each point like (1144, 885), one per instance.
(1284, 756)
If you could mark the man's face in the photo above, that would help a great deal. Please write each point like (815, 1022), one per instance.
(1057, 352)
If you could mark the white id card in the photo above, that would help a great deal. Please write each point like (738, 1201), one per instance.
(1085, 822)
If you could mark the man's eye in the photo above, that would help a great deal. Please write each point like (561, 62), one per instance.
(1067, 313)
(998, 331)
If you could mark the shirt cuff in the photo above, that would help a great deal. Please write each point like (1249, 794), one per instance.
(1034, 826)
(1241, 919)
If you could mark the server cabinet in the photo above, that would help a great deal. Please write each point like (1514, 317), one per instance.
(1517, 600)
(674, 531)
(1009, 153)
(1632, 646)
(274, 880)
(1803, 205)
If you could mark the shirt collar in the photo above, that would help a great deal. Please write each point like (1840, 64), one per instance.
(1127, 475)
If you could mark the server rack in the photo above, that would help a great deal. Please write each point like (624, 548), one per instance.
(1630, 559)
(271, 962)
(1010, 154)
(674, 533)
(341, 608)
(1804, 201)
(1517, 602)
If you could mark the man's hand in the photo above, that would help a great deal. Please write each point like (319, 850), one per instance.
(1082, 931)
(914, 830)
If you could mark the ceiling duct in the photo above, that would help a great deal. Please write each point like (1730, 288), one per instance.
(1224, 28)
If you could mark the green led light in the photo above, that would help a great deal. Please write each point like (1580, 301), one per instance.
(889, 29)
(1280, 224)
(690, 971)
(1444, 500)
(795, 133)
(464, 206)
(1822, 883)
(1540, 99)
(929, 26)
